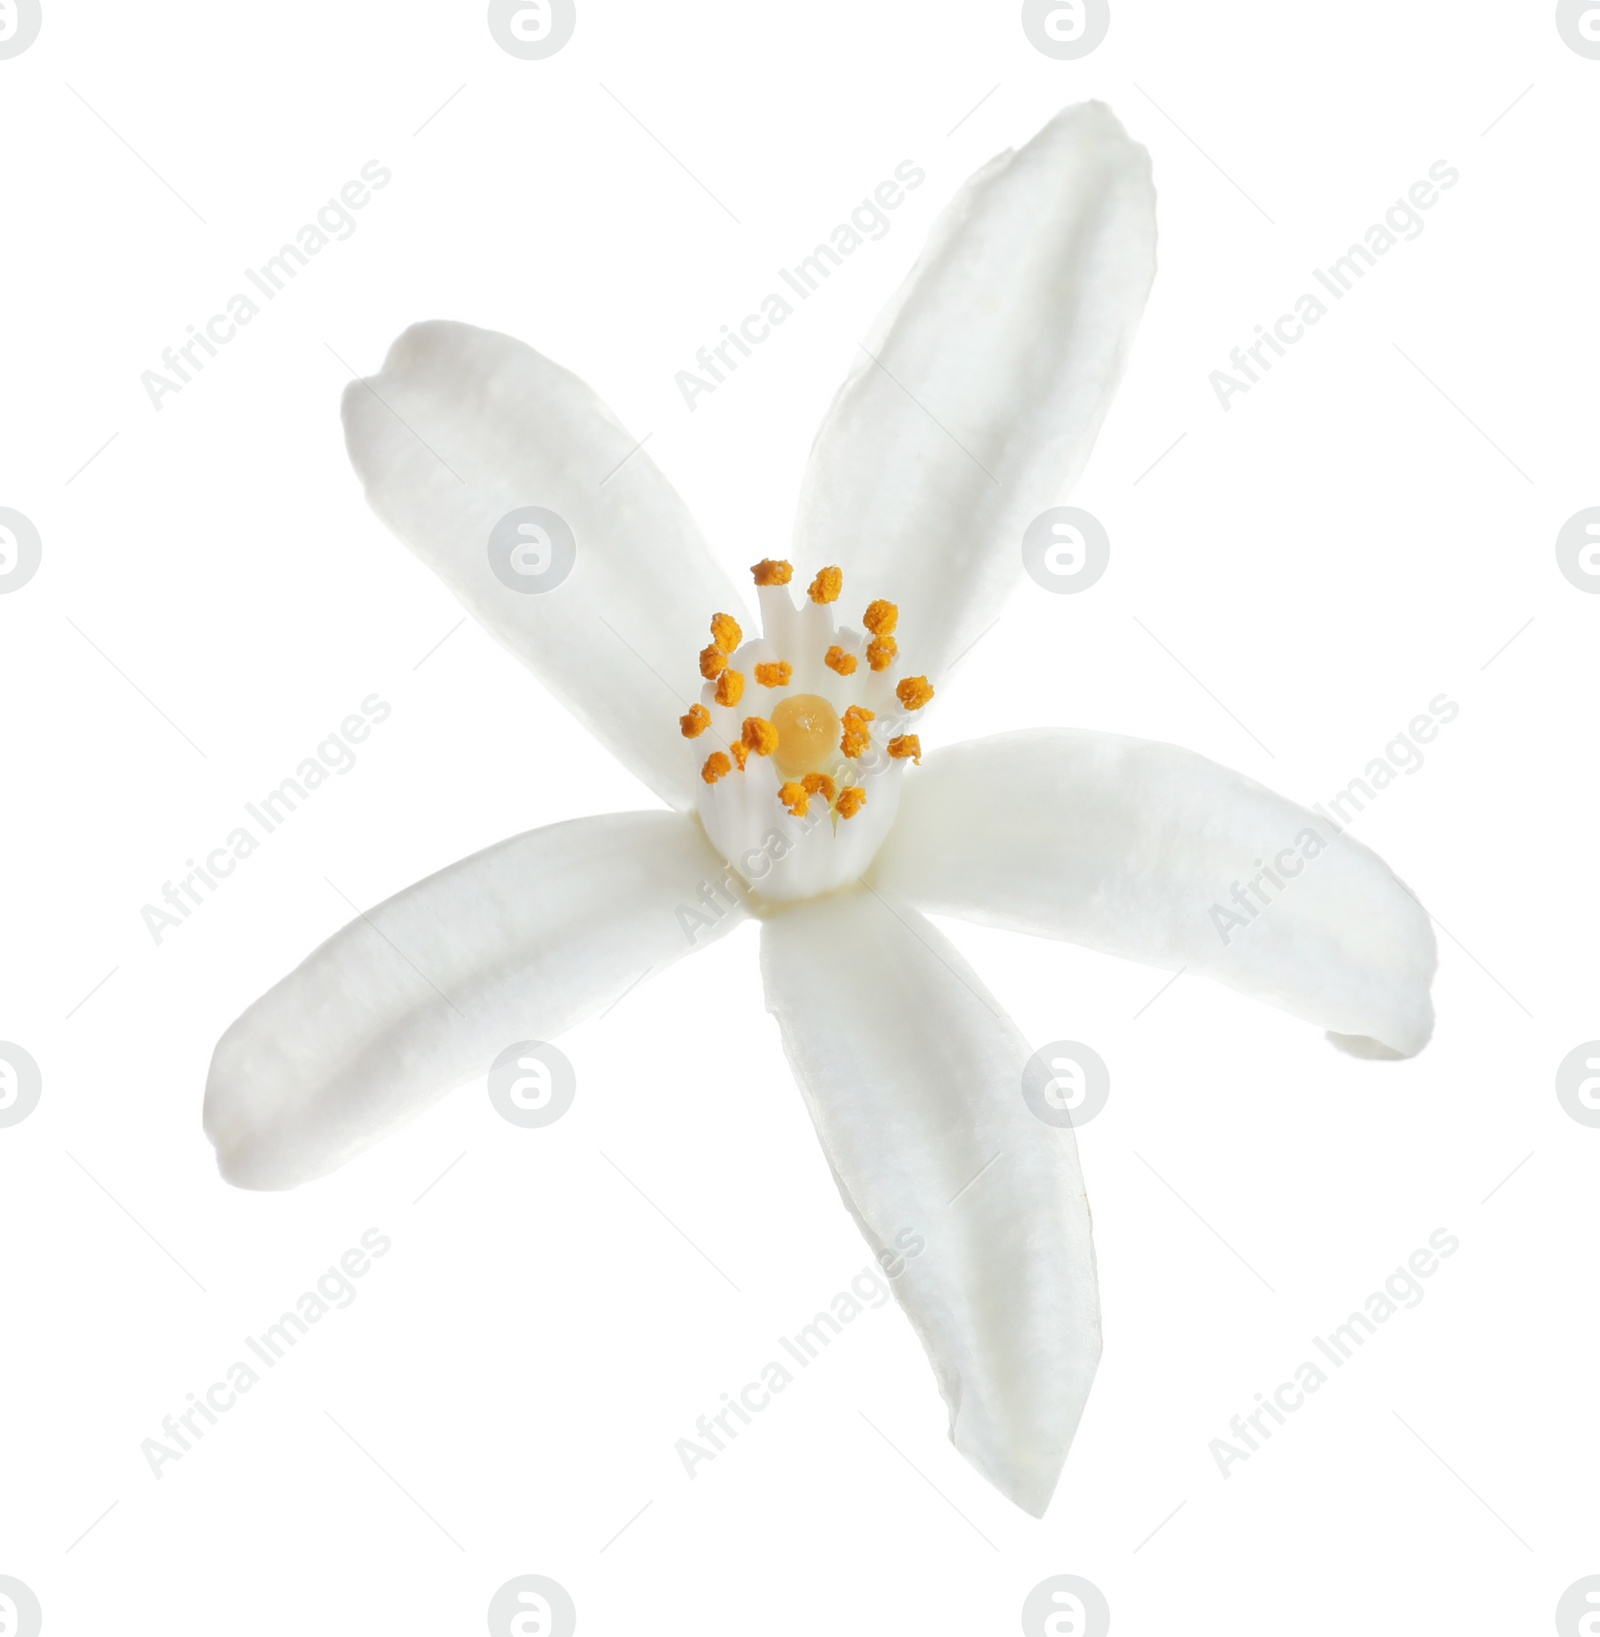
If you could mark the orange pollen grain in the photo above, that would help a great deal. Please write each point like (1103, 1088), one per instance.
(717, 767)
(730, 688)
(696, 722)
(881, 618)
(904, 745)
(827, 585)
(740, 752)
(836, 659)
(760, 736)
(819, 784)
(850, 801)
(856, 735)
(794, 797)
(881, 652)
(725, 632)
(712, 662)
(772, 571)
(913, 692)
(778, 674)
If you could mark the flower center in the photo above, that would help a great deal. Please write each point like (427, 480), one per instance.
(808, 734)
(801, 756)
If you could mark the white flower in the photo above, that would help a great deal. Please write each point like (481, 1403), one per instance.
(972, 410)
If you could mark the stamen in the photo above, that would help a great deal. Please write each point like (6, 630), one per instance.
(779, 674)
(881, 618)
(725, 632)
(794, 797)
(760, 736)
(740, 752)
(913, 692)
(717, 767)
(819, 784)
(712, 662)
(836, 659)
(827, 585)
(851, 801)
(881, 652)
(730, 688)
(904, 745)
(696, 722)
(772, 571)
(856, 735)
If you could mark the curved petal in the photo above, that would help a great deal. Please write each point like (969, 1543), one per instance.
(975, 404)
(914, 1079)
(464, 426)
(1156, 854)
(519, 942)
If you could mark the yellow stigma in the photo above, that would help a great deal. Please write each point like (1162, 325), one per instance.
(696, 722)
(730, 688)
(913, 692)
(778, 674)
(836, 659)
(850, 801)
(827, 585)
(772, 571)
(808, 732)
(725, 632)
(881, 618)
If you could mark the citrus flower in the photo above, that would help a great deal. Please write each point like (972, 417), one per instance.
(804, 789)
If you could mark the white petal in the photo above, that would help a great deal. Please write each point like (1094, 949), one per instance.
(464, 426)
(519, 942)
(979, 396)
(1135, 848)
(914, 1079)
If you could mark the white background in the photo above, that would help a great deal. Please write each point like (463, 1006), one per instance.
(1327, 556)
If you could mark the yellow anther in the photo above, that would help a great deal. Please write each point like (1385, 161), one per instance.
(717, 767)
(760, 736)
(794, 797)
(851, 801)
(740, 752)
(725, 632)
(913, 692)
(713, 662)
(696, 722)
(827, 585)
(730, 687)
(819, 784)
(881, 618)
(881, 653)
(904, 745)
(836, 659)
(772, 571)
(856, 735)
(808, 731)
(779, 674)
